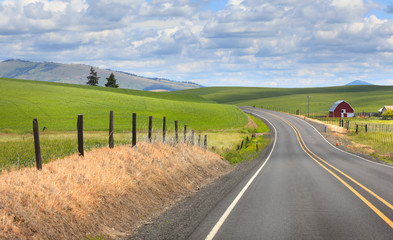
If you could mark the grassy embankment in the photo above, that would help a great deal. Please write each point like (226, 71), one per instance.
(57, 105)
(248, 151)
(105, 194)
(361, 98)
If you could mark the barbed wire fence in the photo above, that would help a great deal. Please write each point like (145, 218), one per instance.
(28, 150)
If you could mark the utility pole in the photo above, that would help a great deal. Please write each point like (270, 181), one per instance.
(308, 114)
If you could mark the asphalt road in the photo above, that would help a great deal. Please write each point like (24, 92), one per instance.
(305, 189)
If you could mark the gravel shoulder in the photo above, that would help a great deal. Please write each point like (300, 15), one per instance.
(179, 221)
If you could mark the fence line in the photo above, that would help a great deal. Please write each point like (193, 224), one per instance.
(80, 137)
(375, 132)
(111, 140)
(37, 144)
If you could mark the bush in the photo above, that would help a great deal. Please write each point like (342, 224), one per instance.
(388, 114)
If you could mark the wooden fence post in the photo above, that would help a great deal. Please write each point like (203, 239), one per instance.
(111, 141)
(192, 137)
(176, 133)
(150, 128)
(199, 140)
(163, 129)
(37, 146)
(80, 135)
(257, 145)
(185, 133)
(365, 128)
(133, 129)
(205, 142)
(357, 128)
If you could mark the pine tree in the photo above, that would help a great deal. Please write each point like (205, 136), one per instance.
(111, 81)
(93, 78)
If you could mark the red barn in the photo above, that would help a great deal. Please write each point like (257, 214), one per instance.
(341, 109)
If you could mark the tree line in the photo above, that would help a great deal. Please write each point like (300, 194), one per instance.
(93, 79)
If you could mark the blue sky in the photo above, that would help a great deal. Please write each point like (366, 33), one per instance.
(217, 5)
(280, 43)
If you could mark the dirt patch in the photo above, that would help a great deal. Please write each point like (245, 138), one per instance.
(251, 123)
(109, 192)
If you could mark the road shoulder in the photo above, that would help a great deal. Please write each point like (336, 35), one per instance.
(179, 221)
(343, 143)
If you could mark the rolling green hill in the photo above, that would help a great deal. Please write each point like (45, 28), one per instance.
(57, 105)
(362, 98)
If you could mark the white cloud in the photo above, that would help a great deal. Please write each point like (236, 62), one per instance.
(252, 42)
(36, 10)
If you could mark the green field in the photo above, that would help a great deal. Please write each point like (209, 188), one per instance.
(206, 110)
(57, 105)
(361, 98)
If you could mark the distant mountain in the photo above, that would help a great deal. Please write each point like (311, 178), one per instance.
(77, 73)
(358, 82)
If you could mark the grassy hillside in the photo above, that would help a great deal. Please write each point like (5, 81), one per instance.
(57, 105)
(362, 98)
(177, 96)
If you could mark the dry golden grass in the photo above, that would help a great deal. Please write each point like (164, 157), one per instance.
(332, 129)
(108, 192)
(362, 148)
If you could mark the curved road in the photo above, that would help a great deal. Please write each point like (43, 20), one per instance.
(305, 189)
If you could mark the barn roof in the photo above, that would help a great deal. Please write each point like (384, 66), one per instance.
(336, 104)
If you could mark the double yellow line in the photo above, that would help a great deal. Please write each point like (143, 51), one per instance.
(319, 160)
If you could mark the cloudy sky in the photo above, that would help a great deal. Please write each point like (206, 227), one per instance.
(269, 43)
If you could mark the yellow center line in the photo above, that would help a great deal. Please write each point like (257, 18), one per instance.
(347, 176)
(311, 155)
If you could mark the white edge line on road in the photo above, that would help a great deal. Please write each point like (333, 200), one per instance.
(354, 155)
(218, 225)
